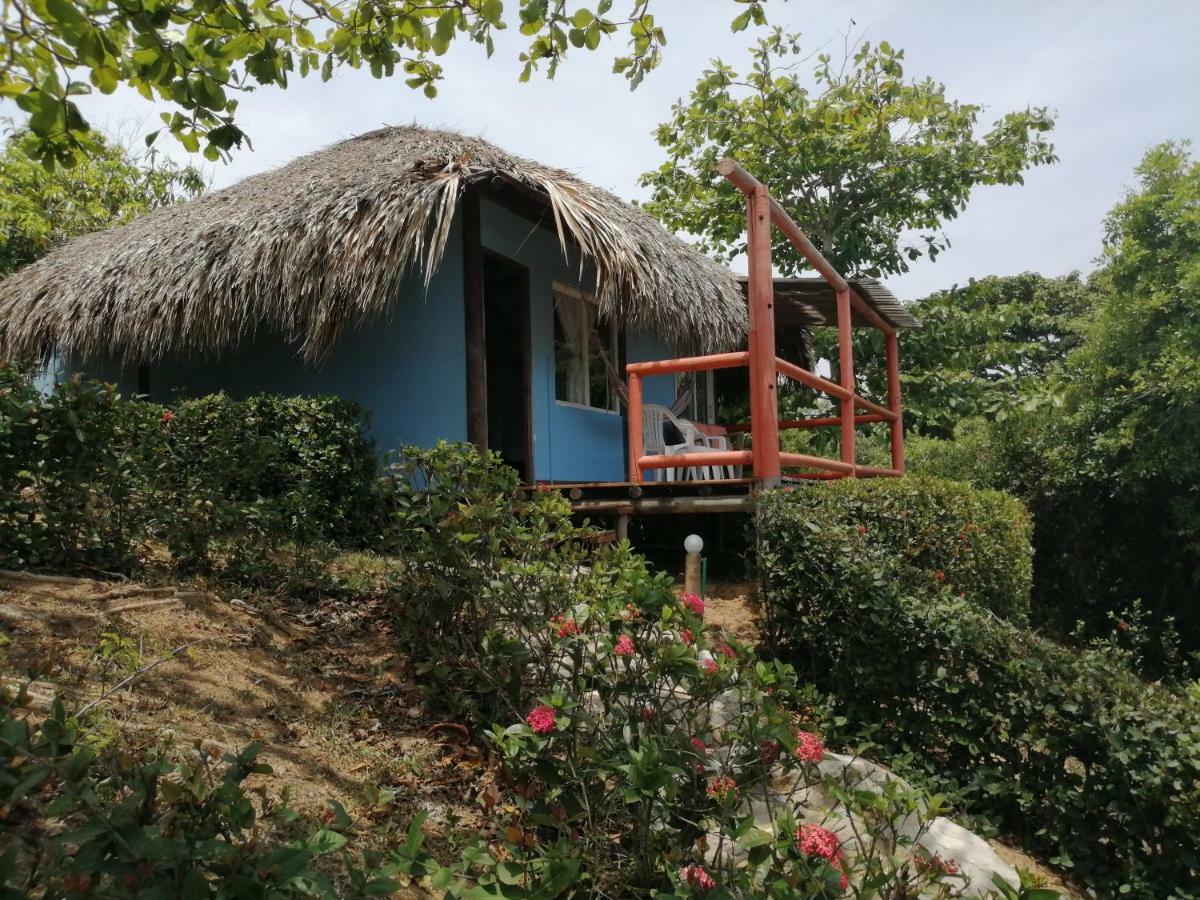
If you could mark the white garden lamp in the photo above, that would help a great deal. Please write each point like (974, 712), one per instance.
(693, 544)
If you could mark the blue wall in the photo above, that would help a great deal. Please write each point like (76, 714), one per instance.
(409, 370)
(570, 443)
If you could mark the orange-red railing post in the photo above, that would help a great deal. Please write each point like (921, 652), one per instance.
(764, 411)
(846, 374)
(635, 426)
(896, 426)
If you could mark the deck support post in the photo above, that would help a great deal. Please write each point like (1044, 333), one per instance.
(476, 322)
(896, 426)
(846, 376)
(621, 526)
(635, 426)
(764, 411)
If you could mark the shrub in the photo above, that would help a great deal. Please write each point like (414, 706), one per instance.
(135, 825)
(1066, 748)
(227, 486)
(70, 468)
(937, 536)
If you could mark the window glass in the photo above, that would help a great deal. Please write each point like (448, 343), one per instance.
(584, 348)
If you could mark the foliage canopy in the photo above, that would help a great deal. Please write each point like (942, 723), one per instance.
(861, 161)
(40, 209)
(200, 55)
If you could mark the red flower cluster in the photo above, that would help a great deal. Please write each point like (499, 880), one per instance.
(624, 646)
(710, 666)
(813, 840)
(721, 787)
(167, 415)
(563, 626)
(698, 766)
(862, 529)
(542, 720)
(809, 747)
(686, 636)
(768, 752)
(937, 864)
(728, 652)
(697, 877)
(693, 603)
(939, 575)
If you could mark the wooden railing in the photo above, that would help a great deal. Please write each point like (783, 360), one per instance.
(765, 368)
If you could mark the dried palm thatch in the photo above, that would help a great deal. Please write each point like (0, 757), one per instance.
(322, 245)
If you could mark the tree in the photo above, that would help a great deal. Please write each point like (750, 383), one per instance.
(41, 209)
(860, 161)
(1110, 471)
(1135, 382)
(200, 54)
(984, 348)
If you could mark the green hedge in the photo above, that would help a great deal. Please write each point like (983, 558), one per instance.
(1067, 749)
(91, 479)
(938, 536)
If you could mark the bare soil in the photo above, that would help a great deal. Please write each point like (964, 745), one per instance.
(321, 687)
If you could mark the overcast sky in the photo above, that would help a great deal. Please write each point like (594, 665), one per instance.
(1122, 76)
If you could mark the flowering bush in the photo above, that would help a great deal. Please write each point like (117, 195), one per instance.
(641, 753)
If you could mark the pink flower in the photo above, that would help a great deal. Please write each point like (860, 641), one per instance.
(813, 840)
(710, 666)
(721, 787)
(699, 745)
(809, 747)
(686, 636)
(542, 720)
(697, 877)
(728, 652)
(624, 646)
(167, 416)
(693, 603)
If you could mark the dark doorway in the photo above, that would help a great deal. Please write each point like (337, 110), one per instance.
(506, 304)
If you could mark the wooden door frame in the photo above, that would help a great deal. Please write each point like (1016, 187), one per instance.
(526, 315)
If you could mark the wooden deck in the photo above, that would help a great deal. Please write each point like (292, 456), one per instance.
(629, 498)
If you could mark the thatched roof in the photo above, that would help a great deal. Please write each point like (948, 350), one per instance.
(321, 244)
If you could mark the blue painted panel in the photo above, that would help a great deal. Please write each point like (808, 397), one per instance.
(570, 443)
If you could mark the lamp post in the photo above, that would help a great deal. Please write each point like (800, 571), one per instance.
(693, 544)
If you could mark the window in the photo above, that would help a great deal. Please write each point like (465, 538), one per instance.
(585, 351)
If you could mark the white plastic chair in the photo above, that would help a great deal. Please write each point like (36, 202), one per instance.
(654, 419)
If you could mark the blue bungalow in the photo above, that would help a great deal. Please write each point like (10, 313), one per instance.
(454, 290)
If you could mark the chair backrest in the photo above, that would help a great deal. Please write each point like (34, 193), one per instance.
(654, 420)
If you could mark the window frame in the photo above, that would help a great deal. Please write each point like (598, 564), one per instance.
(613, 348)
